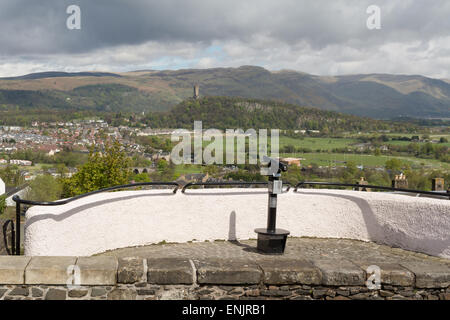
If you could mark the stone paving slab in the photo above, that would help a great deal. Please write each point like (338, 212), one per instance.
(392, 273)
(293, 271)
(227, 272)
(170, 271)
(99, 270)
(48, 270)
(338, 260)
(12, 269)
(131, 270)
(340, 272)
(429, 275)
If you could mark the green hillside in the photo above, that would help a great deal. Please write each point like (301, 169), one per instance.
(380, 96)
(226, 112)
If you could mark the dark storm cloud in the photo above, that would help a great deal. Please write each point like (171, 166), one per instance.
(279, 34)
(29, 27)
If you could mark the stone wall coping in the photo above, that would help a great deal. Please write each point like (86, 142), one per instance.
(109, 270)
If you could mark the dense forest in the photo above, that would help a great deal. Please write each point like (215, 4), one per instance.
(227, 112)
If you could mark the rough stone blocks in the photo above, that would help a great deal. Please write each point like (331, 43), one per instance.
(130, 270)
(296, 271)
(170, 271)
(97, 270)
(219, 271)
(340, 272)
(49, 270)
(12, 269)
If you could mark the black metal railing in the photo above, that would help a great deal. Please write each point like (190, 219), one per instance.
(5, 237)
(368, 186)
(230, 183)
(16, 230)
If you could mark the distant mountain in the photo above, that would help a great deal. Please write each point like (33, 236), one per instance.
(382, 96)
(54, 74)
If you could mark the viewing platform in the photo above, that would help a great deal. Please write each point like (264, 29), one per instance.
(200, 243)
(310, 269)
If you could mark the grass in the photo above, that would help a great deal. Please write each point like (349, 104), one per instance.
(317, 143)
(339, 159)
(187, 169)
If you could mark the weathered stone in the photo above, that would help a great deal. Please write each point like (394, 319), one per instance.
(122, 294)
(12, 269)
(340, 272)
(141, 284)
(2, 292)
(338, 298)
(204, 291)
(49, 270)
(275, 293)
(37, 293)
(130, 270)
(386, 294)
(397, 297)
(331, 293)
(303, 291)
(170, 271)
(237, 291)
(289, 272)
(407, 293)
(253, 293)
(301, 298)
(360, 296)
(76, 293)
(19, 291)
(342, 292)
(432, 297)
(355, 290)
(55, 294)
(97, 270)
(98, 292)
(319, 293)
(391, 273)
(146, 292)
(429, 275)
(219, 271)
(442, 296)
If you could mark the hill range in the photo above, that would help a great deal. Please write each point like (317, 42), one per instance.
(380, 96)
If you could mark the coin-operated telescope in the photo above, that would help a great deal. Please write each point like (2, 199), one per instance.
(272, 240)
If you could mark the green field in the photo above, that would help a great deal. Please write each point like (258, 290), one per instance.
(339, 159)
(317, 143)
(187, 169)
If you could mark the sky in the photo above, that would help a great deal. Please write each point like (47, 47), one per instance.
(323, 37)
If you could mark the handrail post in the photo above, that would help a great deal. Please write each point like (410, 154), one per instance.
(17, 250)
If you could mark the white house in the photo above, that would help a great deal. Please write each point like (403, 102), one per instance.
(2, 187)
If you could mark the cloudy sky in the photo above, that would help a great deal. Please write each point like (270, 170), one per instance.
(325, 37)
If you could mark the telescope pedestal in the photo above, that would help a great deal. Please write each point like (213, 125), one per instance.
(271, 242)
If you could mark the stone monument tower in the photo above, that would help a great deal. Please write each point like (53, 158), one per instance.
(196, 91)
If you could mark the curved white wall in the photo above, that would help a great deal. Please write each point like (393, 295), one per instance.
(132, 218)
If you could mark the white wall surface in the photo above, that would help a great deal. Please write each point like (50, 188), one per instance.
(132, 218)
(2, 187)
